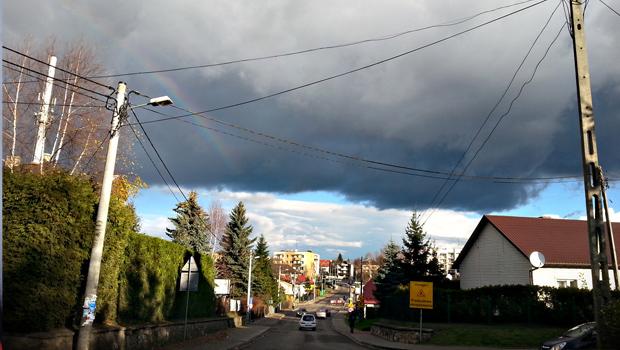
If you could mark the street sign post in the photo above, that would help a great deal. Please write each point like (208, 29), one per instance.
(188, 283)
(420, 297)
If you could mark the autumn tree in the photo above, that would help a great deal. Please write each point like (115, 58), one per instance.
(78, 123)
(191, 225)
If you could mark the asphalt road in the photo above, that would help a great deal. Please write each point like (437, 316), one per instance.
(286, 334)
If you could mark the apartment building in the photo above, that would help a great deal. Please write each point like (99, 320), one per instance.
(446, 257)
(303, 262)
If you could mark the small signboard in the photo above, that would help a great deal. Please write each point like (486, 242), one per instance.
(222, 286)
(189, 276)
(421, 295)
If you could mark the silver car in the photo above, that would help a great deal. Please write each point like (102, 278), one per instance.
(307, 321)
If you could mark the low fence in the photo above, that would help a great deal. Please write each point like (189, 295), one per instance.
(140, 337)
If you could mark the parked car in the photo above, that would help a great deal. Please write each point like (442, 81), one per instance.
(321, 313)
(307, 321)
(301, 312)
(582, 336)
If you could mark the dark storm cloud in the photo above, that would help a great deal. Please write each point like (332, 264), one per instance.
(420, 110)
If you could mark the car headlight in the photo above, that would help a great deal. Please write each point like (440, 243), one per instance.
(559, 346)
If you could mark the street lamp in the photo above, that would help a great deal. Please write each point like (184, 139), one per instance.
(249, 305)
(94, 266)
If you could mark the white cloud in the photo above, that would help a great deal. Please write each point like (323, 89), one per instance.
(329, 228)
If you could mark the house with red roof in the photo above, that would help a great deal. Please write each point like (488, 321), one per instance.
(497, 253)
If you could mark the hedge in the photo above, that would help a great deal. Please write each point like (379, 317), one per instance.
(48, 225)
(498, 304)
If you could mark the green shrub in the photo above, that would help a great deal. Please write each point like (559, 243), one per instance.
(497, 304)
(47, 234)
(610, 324)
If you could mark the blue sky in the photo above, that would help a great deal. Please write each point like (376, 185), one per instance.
(351, 228)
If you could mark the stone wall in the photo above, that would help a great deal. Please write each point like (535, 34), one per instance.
(400, 334)
(120, 338)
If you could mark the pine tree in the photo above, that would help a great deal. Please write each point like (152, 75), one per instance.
(265, 283)
(339, 259)
(236, 247)
(390, 274)
(191, 226)
(420, 261)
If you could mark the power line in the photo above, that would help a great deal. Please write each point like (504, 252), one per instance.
(60, 69)
(56, 105)
(610, 8)
(153, 163)
(166, 167)
(352, 70)
(54, 83)
(502, 116)
(63, 81)
(499, 101)
(353, 160)
(320, 48)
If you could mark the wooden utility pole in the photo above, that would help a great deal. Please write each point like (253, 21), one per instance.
(593, 183)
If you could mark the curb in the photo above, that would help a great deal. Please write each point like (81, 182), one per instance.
(355, 340)
(248, 341)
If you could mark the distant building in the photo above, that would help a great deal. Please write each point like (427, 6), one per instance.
(303, 263)
(325, 267)
(345, 270)
(446, 257)
(497, 253)
(370, 270)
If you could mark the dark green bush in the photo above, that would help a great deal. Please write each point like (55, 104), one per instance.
(47, 234)
(48, 225)
(498, 304)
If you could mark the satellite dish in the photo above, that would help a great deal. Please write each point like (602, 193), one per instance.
(537, 259)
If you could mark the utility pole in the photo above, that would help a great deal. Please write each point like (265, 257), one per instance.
(610, 234)
(94, 266)
(250, 288)
(43, 114)
(593, 184)
(279, 275)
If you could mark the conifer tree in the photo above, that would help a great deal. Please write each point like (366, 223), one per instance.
(265, 282)
(236, 247)
(390, 274)
(191, 225)
(419, 261)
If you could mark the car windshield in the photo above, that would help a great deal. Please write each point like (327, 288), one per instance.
(308, 318)
(579, 330)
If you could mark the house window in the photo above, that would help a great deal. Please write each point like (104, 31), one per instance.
(567, 283)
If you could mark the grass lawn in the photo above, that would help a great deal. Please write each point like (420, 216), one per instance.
(466, 334)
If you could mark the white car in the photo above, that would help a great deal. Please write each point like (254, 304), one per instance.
(322, 313)
(307, 321)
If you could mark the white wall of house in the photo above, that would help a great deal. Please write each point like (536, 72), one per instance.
(493, 260)
(566, 277)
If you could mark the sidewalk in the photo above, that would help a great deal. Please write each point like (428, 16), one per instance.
(232, 338)
(370, 341)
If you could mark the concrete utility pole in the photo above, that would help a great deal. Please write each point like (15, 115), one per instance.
(94, 266)
(250, 288)
(43, 114)
(612, 244)
(592, 180)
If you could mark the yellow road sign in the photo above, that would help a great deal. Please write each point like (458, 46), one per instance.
(421, 295)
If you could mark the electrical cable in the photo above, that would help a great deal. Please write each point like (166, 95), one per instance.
(494, 108)
(501, 118)
(320, 48)
(54, 83)
(57, 68)
(56, 105)
(282, 92)
(352, 160)
(610, 8)
(148, 138)
(55, 79)
(153, 163)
